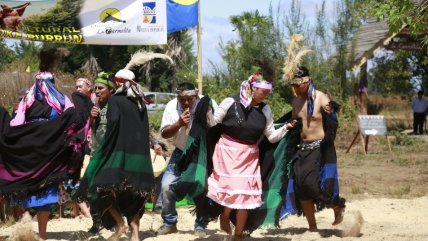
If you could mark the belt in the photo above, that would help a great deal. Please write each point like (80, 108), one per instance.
(310, 146)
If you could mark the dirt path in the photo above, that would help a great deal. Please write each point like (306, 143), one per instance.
(384, 219)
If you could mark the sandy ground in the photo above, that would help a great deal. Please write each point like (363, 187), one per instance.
(384, 219)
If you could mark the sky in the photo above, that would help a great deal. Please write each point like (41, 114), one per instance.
(216, 25)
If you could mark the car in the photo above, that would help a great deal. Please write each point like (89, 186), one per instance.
(158, 100)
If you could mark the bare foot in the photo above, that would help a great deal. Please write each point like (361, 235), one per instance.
(225, 225)
(338, 215)
(134, 234)
(120, 229)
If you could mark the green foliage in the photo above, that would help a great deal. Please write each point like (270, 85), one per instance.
(394, 71)
(397, 13)
(155, 119)
(402, 139)
(64, 13)
(279, 105)
(28, 53)
(7, 55)
(295, 21)
(344, 28)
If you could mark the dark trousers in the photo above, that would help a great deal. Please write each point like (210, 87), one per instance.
(418, 123)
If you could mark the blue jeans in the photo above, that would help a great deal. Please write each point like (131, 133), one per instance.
(169, 212)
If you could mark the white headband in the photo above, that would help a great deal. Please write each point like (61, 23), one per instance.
(187, 92)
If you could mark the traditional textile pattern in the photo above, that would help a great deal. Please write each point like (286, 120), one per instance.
(246, 90)
(38, 154)
(43, 89)
(120, 172)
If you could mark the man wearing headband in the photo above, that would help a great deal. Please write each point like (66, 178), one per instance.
(176, 121)
(104, 88)
(316, 153)
(235, 182)
(120, 173)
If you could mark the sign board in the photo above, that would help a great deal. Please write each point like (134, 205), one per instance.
(106, 22)
(372, 125)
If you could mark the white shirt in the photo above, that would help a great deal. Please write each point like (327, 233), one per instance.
(269, 131)
(419, 105)
(171, 115)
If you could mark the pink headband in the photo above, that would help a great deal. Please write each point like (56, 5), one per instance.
(262, 84)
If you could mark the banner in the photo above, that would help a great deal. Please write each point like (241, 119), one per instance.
(105, 22)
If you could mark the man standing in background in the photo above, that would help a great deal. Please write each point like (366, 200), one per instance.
(419, 106)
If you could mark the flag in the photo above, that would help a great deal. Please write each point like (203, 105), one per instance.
(181, 14)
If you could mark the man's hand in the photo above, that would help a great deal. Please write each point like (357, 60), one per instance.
(95, 112)
(158, 149)
(184, 118)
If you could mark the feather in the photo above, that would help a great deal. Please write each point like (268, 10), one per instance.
(295, 53)
(141, 57)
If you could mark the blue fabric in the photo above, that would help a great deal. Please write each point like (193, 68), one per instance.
(52, 91)
(329, 171)
(311, 99)
(180, 16)
(288, 208)
(50, 197)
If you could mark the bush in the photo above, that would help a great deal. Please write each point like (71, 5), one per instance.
(155, 118)
(402, 139)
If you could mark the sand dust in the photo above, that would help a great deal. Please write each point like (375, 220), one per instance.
(368, 219)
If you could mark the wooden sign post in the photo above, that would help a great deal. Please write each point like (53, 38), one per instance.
(370, 125)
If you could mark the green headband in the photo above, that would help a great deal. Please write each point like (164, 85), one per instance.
(104, 78)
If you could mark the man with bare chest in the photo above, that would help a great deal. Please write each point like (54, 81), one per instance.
(315, 168)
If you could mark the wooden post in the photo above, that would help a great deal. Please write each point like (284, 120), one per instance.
(363, 145)
(389, 146)
(366, 145)
(362, 90)
(199, 34)
(353, 140)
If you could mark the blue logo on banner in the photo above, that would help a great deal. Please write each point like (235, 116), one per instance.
(149, 12)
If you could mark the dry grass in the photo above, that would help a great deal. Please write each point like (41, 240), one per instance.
(15, 78)
(23, 232)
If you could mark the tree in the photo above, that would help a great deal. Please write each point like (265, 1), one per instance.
(346, 25)
(7, 55)
(393, 72)
(295, 21)
(258, 39)
(398, 13)
(28, 53)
